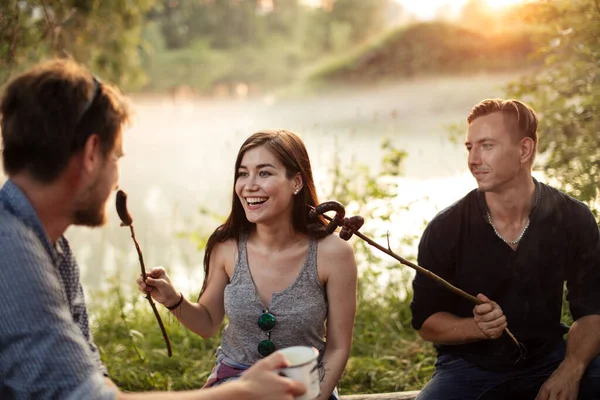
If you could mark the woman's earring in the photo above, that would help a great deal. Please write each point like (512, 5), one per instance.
(296, 192)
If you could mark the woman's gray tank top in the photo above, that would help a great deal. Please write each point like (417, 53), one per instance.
(300, 310)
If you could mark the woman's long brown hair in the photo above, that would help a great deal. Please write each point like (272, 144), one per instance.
(290, 150)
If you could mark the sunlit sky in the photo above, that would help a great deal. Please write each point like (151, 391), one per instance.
(426, 9)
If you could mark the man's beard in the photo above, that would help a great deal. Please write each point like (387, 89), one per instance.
(91, 213)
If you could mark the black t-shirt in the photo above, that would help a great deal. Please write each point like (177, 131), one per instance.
(561, 244)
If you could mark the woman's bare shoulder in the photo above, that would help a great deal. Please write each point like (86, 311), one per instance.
(333, 246)
(225, 252)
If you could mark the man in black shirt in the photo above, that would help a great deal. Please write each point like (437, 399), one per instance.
(515, 241)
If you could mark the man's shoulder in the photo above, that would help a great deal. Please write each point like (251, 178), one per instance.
(15, 234)
(564, 203)
(455, 212)
(10, 225)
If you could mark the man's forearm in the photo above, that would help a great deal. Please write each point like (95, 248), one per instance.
(583, 343)
(446, 328)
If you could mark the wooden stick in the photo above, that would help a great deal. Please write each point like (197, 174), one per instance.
(149, 297)
(127, 220)
(433, 276)
(426, 272)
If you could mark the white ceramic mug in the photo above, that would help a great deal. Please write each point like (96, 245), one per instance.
(304, 368)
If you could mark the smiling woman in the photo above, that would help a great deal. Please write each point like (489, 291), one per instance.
(266, 256)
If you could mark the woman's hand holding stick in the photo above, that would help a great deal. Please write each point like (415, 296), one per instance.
(127, 220)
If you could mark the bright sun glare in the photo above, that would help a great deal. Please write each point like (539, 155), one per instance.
(503, 3)
(427, 8)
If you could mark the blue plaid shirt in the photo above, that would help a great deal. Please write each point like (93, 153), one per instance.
(46, 349)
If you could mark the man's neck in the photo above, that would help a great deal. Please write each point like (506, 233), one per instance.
(513, 203)
(50, 202)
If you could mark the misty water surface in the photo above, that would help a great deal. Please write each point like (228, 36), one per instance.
(180, 155)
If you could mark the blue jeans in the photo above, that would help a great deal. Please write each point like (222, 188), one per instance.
(455, 378)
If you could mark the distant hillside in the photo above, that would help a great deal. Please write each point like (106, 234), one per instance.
(429, 48)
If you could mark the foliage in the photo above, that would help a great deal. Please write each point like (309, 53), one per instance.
(364, 17)
(204, 69)
(429, 48)
(104, 35)
(566, 93)
(222, 47)
(210, 45)
(387, 354)
(234, 24)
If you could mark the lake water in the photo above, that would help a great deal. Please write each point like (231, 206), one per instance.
(180, 155)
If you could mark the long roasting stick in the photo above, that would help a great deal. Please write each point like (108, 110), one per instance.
(127, 220)
(351, 226)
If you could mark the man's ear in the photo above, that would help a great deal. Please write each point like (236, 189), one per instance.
(91, 154)
(527, 150)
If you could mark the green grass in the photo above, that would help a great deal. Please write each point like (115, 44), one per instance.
(133, 349)
(386, 354)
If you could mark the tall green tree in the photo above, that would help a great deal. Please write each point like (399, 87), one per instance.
(224, 24)
(566, 93)
(102, 34)
(208, 44)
